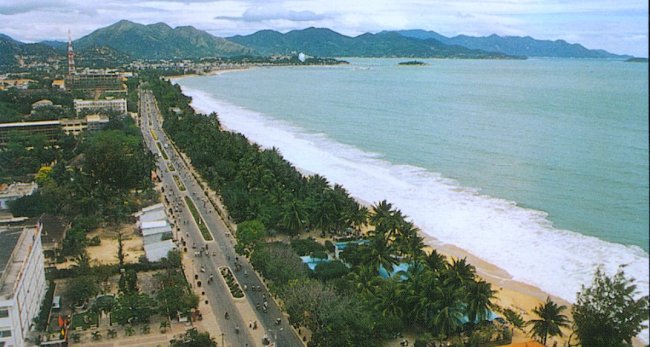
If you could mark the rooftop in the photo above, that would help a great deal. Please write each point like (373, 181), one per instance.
(17, 189)
(17, 242)
(54, 229)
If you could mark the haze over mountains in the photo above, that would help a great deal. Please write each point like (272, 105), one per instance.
(128, 40)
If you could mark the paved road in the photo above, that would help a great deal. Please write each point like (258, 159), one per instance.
(221, 250)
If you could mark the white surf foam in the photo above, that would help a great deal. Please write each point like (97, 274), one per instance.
(521, 241)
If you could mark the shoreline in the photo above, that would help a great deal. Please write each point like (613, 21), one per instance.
(517, 295)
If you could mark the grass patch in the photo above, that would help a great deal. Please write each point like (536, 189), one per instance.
(171, 167)
(231, 281)
(197, 218)
(153, 134)
(162, 151)
(180, 184)
(84, 320)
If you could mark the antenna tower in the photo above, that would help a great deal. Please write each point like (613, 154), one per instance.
(71, 68)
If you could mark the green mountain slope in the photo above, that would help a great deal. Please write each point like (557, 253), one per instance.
(160, 41)
(13, 52)
(327, 43)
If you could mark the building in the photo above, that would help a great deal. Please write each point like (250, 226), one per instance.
(42, 103)
(58, 84)
(22, 282)
(156, 232)
(94, 106)
(20, 83)
(95, 83)
(14, 191)
(52, 129)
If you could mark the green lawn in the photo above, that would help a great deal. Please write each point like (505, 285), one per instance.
(199, 221)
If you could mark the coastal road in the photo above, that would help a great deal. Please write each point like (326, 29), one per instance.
(220, 251)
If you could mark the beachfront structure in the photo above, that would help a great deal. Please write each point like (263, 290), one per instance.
(22, 282)
(52, 129)
(94, 106)
(14, 191)
(156, 232)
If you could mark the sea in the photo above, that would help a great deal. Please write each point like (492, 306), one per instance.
(538, 166)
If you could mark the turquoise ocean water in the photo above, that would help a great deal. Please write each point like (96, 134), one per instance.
(503, 158)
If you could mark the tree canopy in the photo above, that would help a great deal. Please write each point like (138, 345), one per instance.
(610, 312)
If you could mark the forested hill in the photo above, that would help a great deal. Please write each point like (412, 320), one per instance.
(515, 45)
(13, 53)
(324, 42)
(160, 41)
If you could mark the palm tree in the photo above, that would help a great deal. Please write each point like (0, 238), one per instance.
(111, 333)
(96, 335)
(381, 254)
(479, 300)
(550, 320)
(388, 299)
(446, 319)
(381, 212)
(408, 242)
(461, 272)
(128, 331)
(358, 216)
(364, 280)
(435, 261)
(293, 216)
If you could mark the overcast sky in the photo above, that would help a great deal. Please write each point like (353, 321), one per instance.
(619, 26)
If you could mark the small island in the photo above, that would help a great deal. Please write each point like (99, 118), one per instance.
(412, 62)
(637, 60)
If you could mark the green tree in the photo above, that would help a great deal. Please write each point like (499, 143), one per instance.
(133, 308)
(550, 320)
(193, 338)
(609, 312)
(479, 300)
(249, 233)
(117, 160)
(81, 288)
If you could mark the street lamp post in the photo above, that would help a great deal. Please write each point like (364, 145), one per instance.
(222, 344)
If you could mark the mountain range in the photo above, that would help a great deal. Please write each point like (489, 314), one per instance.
(515, 45)
(323, 42)
(127, 40)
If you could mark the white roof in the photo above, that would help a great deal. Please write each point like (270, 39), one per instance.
(154, 207)
(154, 231)
(158, 250)
(151, 216)
(153, 224)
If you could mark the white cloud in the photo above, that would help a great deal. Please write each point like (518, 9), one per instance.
(615, 26)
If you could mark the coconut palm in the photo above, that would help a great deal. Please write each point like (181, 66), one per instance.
(446, 319)
(461, 272)
(408, 242)
(364, 280)
(479, 300)
(550, 320)
(435, 261)
(381, 254)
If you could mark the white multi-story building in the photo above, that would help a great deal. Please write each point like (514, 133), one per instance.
(22, 282)
(92, 106)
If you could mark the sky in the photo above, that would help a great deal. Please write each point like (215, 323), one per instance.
(617, 26)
